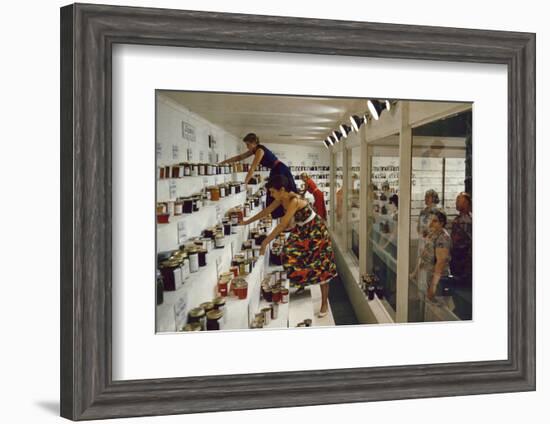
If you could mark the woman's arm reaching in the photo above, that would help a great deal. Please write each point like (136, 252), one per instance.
(285, 220)
(263, 212)
(258, 155)
(236, 158)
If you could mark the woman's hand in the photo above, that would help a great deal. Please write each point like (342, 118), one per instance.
(263, 247)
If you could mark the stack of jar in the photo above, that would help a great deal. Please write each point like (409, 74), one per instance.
(371, 285)
(208, 316)
(185, 169)
(216, 235)
(276, 252)
(175, 270)
(273, 288)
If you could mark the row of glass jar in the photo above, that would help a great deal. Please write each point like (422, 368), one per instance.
(273, 288)
(309, 168)
(194, 203)
(370, 284)
(185, 169)
(207, 316)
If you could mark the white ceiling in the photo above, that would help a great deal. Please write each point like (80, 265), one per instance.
(275, 119)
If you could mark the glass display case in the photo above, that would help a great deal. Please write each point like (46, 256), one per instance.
(439, 179)
(382, 195)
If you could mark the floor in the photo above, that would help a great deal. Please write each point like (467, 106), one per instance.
(307, 304)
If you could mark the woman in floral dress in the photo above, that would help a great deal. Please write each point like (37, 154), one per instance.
(308, 255)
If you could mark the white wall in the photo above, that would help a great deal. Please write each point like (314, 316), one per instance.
(296, 155)
(170, 116)
(30, 319)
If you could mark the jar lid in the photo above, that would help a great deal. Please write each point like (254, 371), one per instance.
(266, 309)
(192, 250)
(214, 314)
(196, 312)
(219, 301)
(207, 306)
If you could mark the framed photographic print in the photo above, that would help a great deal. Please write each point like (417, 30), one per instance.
(241, 192)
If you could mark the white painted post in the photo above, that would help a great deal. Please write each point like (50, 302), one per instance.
(404, 214)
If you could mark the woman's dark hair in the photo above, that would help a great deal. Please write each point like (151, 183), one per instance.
(277, 182)
(251, 138)
(433, 194)
(395, 200)
(441, 217)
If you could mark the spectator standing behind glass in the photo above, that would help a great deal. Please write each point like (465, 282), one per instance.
(319, 202)
(431, 199)
(461, 234)
(433, 262)
(461, 256)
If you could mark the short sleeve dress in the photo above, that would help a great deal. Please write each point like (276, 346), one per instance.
(269, 160)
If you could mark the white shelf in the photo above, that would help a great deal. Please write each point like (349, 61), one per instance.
(201, 287)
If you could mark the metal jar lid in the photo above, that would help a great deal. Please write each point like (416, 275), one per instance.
(214, 314)
(197, 312)
(218, 301)
(207, 306)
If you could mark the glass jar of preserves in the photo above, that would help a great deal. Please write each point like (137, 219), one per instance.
(171, 274)
(267, 315)
(202, 257)
(222, 191)
(193, 255)
(192, 326)
(219, 304)
(276, 295)
(186, 169)
(178, 207)
(213, 321)
(223, 287)
(268, 294)
(227, 228)
(194, 169)
(197, 315)
(214, 193)
(187, 205)
(220, 240)
(284, 295)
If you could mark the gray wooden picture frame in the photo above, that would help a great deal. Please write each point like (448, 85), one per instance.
(88, 33)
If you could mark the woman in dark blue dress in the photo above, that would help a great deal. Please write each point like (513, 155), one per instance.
(265, 157)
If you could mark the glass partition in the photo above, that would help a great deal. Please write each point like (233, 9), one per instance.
(354, 183)
(339, 196)
(440, 286)
(382, 207)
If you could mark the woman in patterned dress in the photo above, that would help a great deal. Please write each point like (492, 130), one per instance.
(265, 157)
(308, 255)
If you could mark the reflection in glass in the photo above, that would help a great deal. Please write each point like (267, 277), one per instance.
(383, 204)
(440, 286)
(339, 196)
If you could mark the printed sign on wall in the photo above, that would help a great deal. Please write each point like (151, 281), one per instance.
(182, 232)
(159, 150)
(180, 312)
(188, 131)
(172, 188)
(175, 151)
